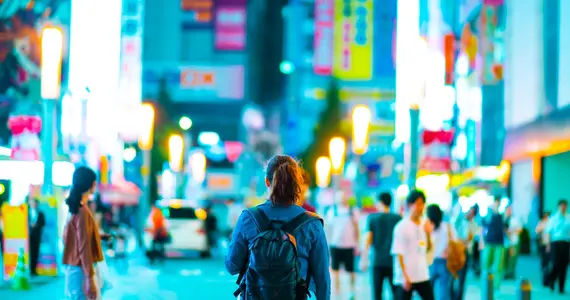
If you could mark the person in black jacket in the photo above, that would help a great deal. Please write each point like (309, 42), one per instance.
(37, 221)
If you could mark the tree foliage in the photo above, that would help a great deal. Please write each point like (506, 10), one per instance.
(328, 126)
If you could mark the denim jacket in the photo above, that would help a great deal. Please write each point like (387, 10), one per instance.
(311, 245)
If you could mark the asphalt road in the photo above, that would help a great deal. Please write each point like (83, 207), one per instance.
(207, 279)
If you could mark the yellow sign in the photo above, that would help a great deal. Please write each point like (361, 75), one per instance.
(353, 27)
(15, 219)
(358, 95)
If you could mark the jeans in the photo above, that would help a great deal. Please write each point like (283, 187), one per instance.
(510, 257)
(378, 276)
(441, 279)
(74, 284)
(493, 263)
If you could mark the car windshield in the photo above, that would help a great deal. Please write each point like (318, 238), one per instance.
(181, 213)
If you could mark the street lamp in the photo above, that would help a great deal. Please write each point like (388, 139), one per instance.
(323, 168)
(185, 123)
(51, 56)
(197, 163)
(337, 148)
(361, 117)
(422, 57)
(175, 151)
(145, 144)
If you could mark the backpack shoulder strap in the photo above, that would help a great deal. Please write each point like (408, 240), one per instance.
(260, 218)
(294, 225)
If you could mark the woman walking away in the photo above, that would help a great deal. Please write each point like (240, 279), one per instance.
(443, 232)
(81, 240)
(283, 235)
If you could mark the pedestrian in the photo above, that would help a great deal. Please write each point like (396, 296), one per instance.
(157, 227)
(266, 234)
(211, 228)
(513, 227)
(443, 233)
(411, 246)
(468, 231)
(542, 241)
(494, 239)
(82, 243)
(558, 230)
(37, 222)
(344, 234)
(379, 236)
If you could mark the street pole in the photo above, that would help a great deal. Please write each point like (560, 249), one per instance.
(48, 144)
(145, 203)
(414, 146)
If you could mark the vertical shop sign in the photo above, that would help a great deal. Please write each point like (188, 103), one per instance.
(436, 151)
(230, 28)
(323, 43)
(488, 29)
(130, 78)
(353, 39)
(385, 43)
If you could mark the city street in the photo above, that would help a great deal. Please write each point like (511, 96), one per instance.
(207, 279)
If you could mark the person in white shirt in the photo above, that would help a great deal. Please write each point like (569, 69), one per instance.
(558, 230)
(343, 236)
(440, 276)
(410, 247)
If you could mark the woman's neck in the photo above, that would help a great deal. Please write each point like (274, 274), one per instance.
(84, 199)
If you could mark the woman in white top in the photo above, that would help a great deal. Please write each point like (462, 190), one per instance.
(440, 276)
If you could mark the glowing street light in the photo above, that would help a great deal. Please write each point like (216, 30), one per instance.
(361, 117)
(147, 127)
(337, 149)
(197, 163)
(175, 152)
(50, 72)
(323, 168)
(185, 123)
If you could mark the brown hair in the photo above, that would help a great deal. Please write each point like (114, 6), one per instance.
(286, 179)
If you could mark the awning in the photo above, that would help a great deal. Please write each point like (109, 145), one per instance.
(546, 136)
(125, 193)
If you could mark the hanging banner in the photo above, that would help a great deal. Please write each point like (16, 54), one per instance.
(130, 79)
(15, 220)
(436, 151)
(385, 43)
(489, 20)
(196, 13)
(230, 28)
(324, 28)
(353, 39)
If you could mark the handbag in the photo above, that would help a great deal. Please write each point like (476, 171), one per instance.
(455, 254)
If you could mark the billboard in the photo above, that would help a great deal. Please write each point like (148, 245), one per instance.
(230, 28)
(353, 25)
(324, 28)
(196, 13)
(195, 82)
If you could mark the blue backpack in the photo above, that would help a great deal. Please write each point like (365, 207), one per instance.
(272, 268)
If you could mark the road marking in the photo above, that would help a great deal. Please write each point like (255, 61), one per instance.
(195, 272)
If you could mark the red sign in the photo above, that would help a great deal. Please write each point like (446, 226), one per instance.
(323, 43)
(233, 150)
(197, 78)
(230, 28)
(436, 151)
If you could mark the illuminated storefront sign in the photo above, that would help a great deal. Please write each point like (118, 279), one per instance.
(353, 41)
(324, 28)
(196, 83)
(230, 28)
(196, 13)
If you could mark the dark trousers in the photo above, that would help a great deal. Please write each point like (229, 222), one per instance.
(458, 292)
(560, 252)
(378, 276)
(423, 289)
(34, 253)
